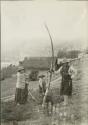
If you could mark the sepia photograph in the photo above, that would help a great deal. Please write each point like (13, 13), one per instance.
(44, 62)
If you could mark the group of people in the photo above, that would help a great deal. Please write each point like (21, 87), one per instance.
(67, 72)
(65, 69)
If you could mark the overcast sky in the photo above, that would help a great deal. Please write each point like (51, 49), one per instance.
(22, 24)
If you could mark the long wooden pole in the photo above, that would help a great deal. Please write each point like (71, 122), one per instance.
(52, 61)
(51, 68)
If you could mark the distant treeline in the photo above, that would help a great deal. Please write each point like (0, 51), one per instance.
(37, 63)
(8, 71)
(33, 63)
(68, 54)
(41, 63)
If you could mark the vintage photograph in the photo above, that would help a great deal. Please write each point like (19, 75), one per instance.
(44, 62)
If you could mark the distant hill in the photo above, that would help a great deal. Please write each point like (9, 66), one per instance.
(42, 50)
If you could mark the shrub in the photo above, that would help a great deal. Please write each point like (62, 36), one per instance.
(2, 77)
(33, 75)
(8, 71)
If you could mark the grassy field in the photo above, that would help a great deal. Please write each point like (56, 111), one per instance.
(32, 113)
(8, 85)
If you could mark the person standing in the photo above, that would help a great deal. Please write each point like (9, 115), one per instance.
(42, 84)
(42, 87)
(67, 72)
(72, 73)
(20, 86)
(65, 82)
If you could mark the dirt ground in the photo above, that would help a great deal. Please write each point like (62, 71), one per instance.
(33, 114)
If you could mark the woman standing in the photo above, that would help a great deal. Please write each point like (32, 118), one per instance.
(67, 73)
(65, 83)
(20, 97)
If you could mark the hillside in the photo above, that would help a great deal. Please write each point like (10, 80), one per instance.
(32, 114)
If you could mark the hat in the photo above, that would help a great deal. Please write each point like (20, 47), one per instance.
(41, 76)
(20, 68)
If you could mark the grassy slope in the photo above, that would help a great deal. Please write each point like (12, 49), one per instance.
(8, 85)
(78, 110)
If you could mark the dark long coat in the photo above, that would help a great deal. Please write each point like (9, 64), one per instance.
(66, 82)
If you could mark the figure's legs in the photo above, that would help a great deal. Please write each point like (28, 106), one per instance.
(70, 91)
(70, 99)
(18, 96)
(51, 107)
(65, 100)
(47, 108)
(66, 106)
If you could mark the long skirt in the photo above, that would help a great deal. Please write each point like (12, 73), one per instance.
(66, 87)
(21, 96)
